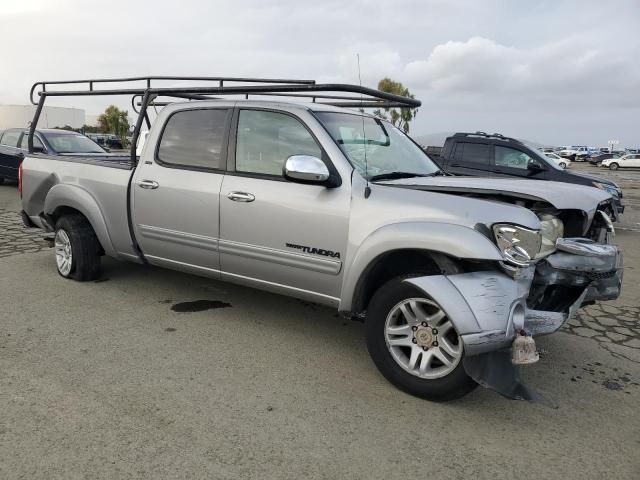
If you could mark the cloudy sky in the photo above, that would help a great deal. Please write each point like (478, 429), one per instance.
(552, 71)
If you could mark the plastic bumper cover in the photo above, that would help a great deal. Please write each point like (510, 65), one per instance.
(489, 307)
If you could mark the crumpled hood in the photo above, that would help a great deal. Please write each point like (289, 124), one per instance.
(561, 195)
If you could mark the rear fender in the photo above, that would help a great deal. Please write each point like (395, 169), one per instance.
(63, 195)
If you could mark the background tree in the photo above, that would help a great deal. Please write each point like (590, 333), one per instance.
(114, 121)
(400, 117)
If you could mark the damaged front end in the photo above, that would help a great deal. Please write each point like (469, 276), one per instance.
(490, 309)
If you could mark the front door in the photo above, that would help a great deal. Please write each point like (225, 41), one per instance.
(514, 162)
(176, 191)
(276, 234)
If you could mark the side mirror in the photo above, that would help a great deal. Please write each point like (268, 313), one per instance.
(535, 166)
(306, 169)
(38, 149)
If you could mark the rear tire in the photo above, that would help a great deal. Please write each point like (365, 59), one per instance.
(411, 360)
(77, 249)
(613, 166)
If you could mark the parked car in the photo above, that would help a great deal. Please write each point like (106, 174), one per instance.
(560, 161)
(13, 147)
(597, 158)
(626, 161)
(493, 155)
(340, 208)
(574, 153)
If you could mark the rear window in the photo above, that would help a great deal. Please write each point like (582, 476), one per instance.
(10, 138)
(472, 153)
(194, 138)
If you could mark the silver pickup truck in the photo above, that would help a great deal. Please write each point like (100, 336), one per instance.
(341, 208)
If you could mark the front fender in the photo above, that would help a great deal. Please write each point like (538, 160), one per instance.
(454, 240)
(64, 195)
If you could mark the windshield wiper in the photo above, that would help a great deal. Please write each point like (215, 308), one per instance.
(397, 175)
(393, 176)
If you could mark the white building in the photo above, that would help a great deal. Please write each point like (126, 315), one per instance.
(16, 116)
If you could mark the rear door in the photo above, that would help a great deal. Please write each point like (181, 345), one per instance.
(633, 161)
(10, 155)
(176, 191)
(470, 158)
(515, 163)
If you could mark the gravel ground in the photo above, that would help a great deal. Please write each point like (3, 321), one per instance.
(124, 378)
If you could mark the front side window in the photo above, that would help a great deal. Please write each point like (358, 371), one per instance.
(375, 147)
(194, 138)
(511, 158)
(266, 139)
(10, 138)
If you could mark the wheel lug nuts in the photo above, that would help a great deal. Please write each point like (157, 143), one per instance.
(434, 331)
(414, 328)
(424, 324)
(414, 340)
(424, 348)
(435, 344)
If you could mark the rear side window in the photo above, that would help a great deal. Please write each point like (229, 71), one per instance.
(24, 143)
(472, 153)
(10, 138)
(266, 139)
(194, 138)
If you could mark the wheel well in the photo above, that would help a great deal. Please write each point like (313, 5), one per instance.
(394, 264)
(64, 211)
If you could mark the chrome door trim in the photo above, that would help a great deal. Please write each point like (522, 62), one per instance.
(181, 238)
(281, 257)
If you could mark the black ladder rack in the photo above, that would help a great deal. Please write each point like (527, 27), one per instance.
(210, 88)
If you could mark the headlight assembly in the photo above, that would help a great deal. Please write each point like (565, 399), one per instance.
(518, 245)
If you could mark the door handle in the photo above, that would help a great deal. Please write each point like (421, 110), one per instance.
(148, 184)
(454, 165)
(241, 197)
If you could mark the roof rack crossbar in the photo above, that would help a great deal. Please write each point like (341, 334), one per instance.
(149, 79)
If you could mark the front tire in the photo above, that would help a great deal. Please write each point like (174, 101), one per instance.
(563, 165)
(77, 249)
(414, 344)
(613, 166)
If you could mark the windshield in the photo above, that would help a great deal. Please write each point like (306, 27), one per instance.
(387, 149)
(70, 143)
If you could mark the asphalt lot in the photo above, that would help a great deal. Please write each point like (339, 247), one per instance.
(111, 379)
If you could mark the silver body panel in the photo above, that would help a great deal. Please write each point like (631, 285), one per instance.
(302, 240)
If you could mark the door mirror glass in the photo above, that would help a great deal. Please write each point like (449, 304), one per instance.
(305, 169)
(38, 149)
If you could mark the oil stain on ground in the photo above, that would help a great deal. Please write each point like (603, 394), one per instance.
(198, 306)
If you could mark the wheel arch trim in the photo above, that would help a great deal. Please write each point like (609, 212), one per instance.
(70, 196)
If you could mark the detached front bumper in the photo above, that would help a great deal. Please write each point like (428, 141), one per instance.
(488, 308)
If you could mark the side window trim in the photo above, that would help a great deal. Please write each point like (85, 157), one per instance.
(223, 150)
(233, 140)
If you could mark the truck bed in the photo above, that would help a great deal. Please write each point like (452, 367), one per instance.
(109, 161)
(84, 183)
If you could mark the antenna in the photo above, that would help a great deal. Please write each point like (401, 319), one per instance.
(367, 189)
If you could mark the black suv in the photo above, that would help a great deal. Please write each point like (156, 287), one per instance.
(493, 155)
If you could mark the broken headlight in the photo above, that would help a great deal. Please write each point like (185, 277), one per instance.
(551, 229)
(518, 245)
